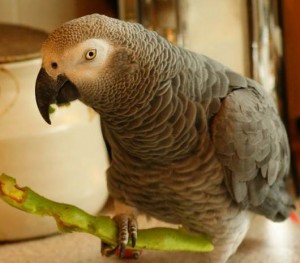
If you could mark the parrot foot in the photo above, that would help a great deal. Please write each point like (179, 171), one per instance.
(127, 226)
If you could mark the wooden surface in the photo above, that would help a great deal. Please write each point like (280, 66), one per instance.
(19, 43)
(291, 23)
(291, 34)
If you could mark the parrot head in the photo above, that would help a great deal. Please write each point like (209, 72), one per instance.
(79, 61)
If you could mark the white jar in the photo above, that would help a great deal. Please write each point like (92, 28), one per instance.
(65, 162)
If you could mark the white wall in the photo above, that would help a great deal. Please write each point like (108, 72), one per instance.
(218, 29)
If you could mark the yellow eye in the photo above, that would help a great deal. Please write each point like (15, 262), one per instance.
(91, 54)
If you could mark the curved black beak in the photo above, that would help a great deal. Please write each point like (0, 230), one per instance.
(49, 91)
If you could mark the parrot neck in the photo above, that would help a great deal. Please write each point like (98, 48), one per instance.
(160, 130)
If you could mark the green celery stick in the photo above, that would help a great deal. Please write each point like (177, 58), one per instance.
(70, 218)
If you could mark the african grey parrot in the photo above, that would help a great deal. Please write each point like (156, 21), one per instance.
(192, 142)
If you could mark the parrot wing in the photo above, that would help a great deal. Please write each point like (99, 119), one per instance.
(252, 145)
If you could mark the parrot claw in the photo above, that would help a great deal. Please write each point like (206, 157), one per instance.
(127, 226)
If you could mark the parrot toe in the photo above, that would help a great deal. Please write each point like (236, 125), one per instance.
(127, 225)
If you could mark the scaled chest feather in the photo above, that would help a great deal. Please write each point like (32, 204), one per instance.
(169, 191)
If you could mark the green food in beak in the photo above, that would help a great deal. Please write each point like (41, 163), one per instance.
(49, 91)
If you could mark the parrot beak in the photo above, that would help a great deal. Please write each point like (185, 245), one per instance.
(49, 91)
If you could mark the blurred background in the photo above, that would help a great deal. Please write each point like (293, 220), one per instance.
(258, 38)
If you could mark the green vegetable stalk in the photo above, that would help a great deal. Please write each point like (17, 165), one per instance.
(70, 218)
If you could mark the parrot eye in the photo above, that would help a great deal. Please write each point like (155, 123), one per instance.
(54, 65)
(91, 54)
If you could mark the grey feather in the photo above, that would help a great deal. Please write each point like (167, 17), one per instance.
(236, 80)
(259, 158)
(192, 142)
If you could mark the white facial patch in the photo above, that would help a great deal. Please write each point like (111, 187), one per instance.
(77, 63)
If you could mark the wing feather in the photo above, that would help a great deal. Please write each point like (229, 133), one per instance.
(252, 145)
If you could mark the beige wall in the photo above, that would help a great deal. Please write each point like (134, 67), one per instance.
(40, 14)
(218, 29)
(48, 14)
